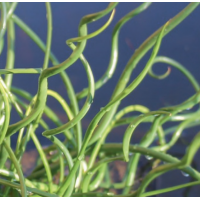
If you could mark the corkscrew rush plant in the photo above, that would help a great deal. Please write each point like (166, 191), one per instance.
(79, 165)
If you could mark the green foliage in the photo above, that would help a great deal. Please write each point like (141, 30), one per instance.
(82, 163)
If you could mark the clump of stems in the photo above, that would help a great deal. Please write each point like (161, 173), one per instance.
(82, 164)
